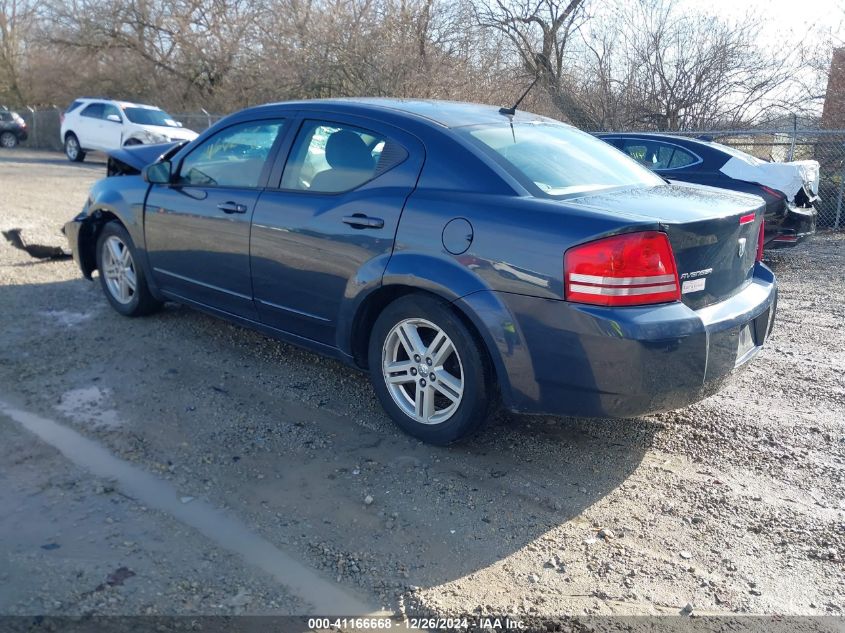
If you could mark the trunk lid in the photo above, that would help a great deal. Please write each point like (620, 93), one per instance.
(788, 178)
(713, 233)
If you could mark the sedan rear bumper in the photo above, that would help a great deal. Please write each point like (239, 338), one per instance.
(798, 223)
(562, 358)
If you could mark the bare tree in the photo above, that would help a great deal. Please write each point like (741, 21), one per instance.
(17, 24)
(540, 33)
(694, 70)
(195, 43)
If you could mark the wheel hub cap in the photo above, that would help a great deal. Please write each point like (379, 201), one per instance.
(118, 270)
(423, 371)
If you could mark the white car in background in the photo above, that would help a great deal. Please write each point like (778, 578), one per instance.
(104, 125)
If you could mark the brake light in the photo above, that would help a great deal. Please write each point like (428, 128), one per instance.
(772, 192)
(623, 270)
(62, 118)
(760, 238)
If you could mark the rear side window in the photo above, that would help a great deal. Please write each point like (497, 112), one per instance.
(93, 111)
(659, 155)
(234, 157)
(682, 158)
(334, 157)
(552, 160)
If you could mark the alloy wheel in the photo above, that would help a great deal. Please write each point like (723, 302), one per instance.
(72, 148)
(119, 270)
(423, 371)
(8, 140)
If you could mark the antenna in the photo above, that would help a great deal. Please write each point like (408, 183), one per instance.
(541, 61)
(511, 111)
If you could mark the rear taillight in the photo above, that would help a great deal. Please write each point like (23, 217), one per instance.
(772, 192)
(61, 118)
(623, 270)
(760, 238)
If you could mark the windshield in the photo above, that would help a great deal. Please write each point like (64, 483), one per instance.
(150, 116)
(555, 160)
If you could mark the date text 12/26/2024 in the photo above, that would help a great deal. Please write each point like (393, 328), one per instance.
(421, 623)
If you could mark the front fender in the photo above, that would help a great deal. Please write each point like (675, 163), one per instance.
(119, 198)
(123, 198)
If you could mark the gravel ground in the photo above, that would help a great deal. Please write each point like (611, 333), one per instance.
(733, 505)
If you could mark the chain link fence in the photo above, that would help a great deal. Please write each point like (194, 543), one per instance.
(825, 146)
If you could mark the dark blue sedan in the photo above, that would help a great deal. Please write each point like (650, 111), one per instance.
(788, 189)
(460, 255)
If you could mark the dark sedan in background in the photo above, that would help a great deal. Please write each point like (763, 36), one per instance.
(12, 129)
(459, 254)
(788, 189)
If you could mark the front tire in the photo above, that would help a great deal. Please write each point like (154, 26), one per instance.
(121, 278)
(429, 370)
(73, 150)
(8, 140)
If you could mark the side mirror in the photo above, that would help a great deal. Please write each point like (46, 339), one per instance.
(178, 124)
(158, 173)
(114, 117)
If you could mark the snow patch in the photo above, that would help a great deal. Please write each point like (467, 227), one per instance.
(88, 406)
(66, 318)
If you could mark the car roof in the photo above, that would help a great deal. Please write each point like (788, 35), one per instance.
(450, 114)
(121, 104)
(656, 136)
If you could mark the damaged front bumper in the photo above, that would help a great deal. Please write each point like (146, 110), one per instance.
(73, 230)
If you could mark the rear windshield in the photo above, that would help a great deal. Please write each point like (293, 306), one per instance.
(736, 153)
(553, 160)
(150, 116)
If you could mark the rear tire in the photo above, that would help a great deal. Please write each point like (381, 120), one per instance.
(429, 370)
(8, 140)
(121, 278)
(73, 150)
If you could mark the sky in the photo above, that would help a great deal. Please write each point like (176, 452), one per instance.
(784, 20)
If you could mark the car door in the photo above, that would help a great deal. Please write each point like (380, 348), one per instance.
(197, 228)
(89, 126)
(111, 134)
(335, 209)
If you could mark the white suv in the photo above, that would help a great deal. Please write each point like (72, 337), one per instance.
(100, 124)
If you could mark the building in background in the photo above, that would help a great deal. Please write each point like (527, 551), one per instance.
(833, 114)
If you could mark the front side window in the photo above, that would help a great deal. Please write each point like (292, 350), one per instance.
(150, 116)
(109, 109)
(659, 155)
(639, 152)
(555, 160)
(93, 111)
(333, 157)
(233, 157)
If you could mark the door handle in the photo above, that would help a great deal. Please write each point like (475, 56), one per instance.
(361, 221)
(232, 207)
